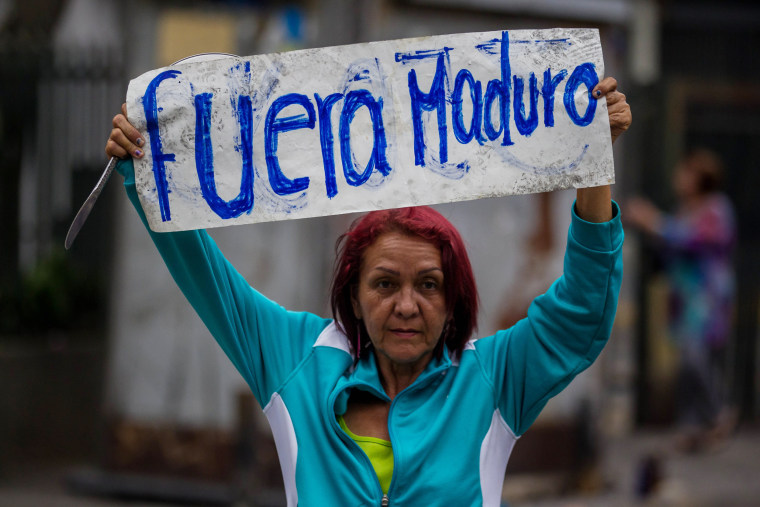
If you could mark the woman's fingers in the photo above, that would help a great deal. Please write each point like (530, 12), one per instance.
(620, 114)
(125, 140)
(131, 134)
(617, 108)
(113, 149)
(605, 86)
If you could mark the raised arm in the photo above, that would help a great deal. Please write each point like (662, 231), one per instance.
(594, 204)
(568, 326)
(264, 341)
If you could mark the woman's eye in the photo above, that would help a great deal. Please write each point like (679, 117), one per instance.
(383, 284)
(429, 285)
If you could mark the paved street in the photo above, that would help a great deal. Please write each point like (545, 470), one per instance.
(727, 476)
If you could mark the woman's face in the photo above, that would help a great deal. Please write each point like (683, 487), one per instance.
(400, 298)
(685, 181)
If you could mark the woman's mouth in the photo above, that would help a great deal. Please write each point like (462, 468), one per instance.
(404, 332)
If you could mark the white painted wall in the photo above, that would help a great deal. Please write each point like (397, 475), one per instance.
(164, 363)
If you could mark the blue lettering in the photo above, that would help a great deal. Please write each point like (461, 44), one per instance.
(509, 91)
(526, 126)
(204, 157)
(156, 146)
(326, 140)
(547, 92)
(476, 95)
(583, 74)
(354, 100)
(280, 183)
(501, 89)
(493, 91)
(435, 99)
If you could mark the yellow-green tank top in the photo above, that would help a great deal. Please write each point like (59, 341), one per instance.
(379, 452)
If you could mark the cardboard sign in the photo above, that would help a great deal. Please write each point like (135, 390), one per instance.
(236, 140)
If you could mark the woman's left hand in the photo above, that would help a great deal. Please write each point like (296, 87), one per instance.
(593, 204)
(617, 108)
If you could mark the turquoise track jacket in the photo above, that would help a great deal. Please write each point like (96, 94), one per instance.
(453, 429)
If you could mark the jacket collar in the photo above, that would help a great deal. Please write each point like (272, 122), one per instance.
(366, 376)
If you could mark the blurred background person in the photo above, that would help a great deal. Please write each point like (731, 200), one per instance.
(697, 243)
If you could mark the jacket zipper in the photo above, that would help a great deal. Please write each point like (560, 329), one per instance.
(385, 500)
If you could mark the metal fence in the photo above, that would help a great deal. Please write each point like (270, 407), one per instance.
(77, 92)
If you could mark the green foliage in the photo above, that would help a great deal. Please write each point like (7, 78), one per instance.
(54, 296)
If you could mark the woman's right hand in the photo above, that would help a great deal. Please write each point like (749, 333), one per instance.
(124, 141)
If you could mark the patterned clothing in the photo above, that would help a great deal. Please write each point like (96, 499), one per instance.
(699, 245)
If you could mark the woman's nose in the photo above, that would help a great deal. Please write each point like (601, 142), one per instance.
(406, 302)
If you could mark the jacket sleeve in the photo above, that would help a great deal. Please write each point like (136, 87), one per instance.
(264, 341)
(566, 328)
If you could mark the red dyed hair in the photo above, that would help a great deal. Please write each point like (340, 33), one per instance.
(460, 291)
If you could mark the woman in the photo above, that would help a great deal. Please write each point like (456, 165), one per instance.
(697, 246)
(390, 403)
